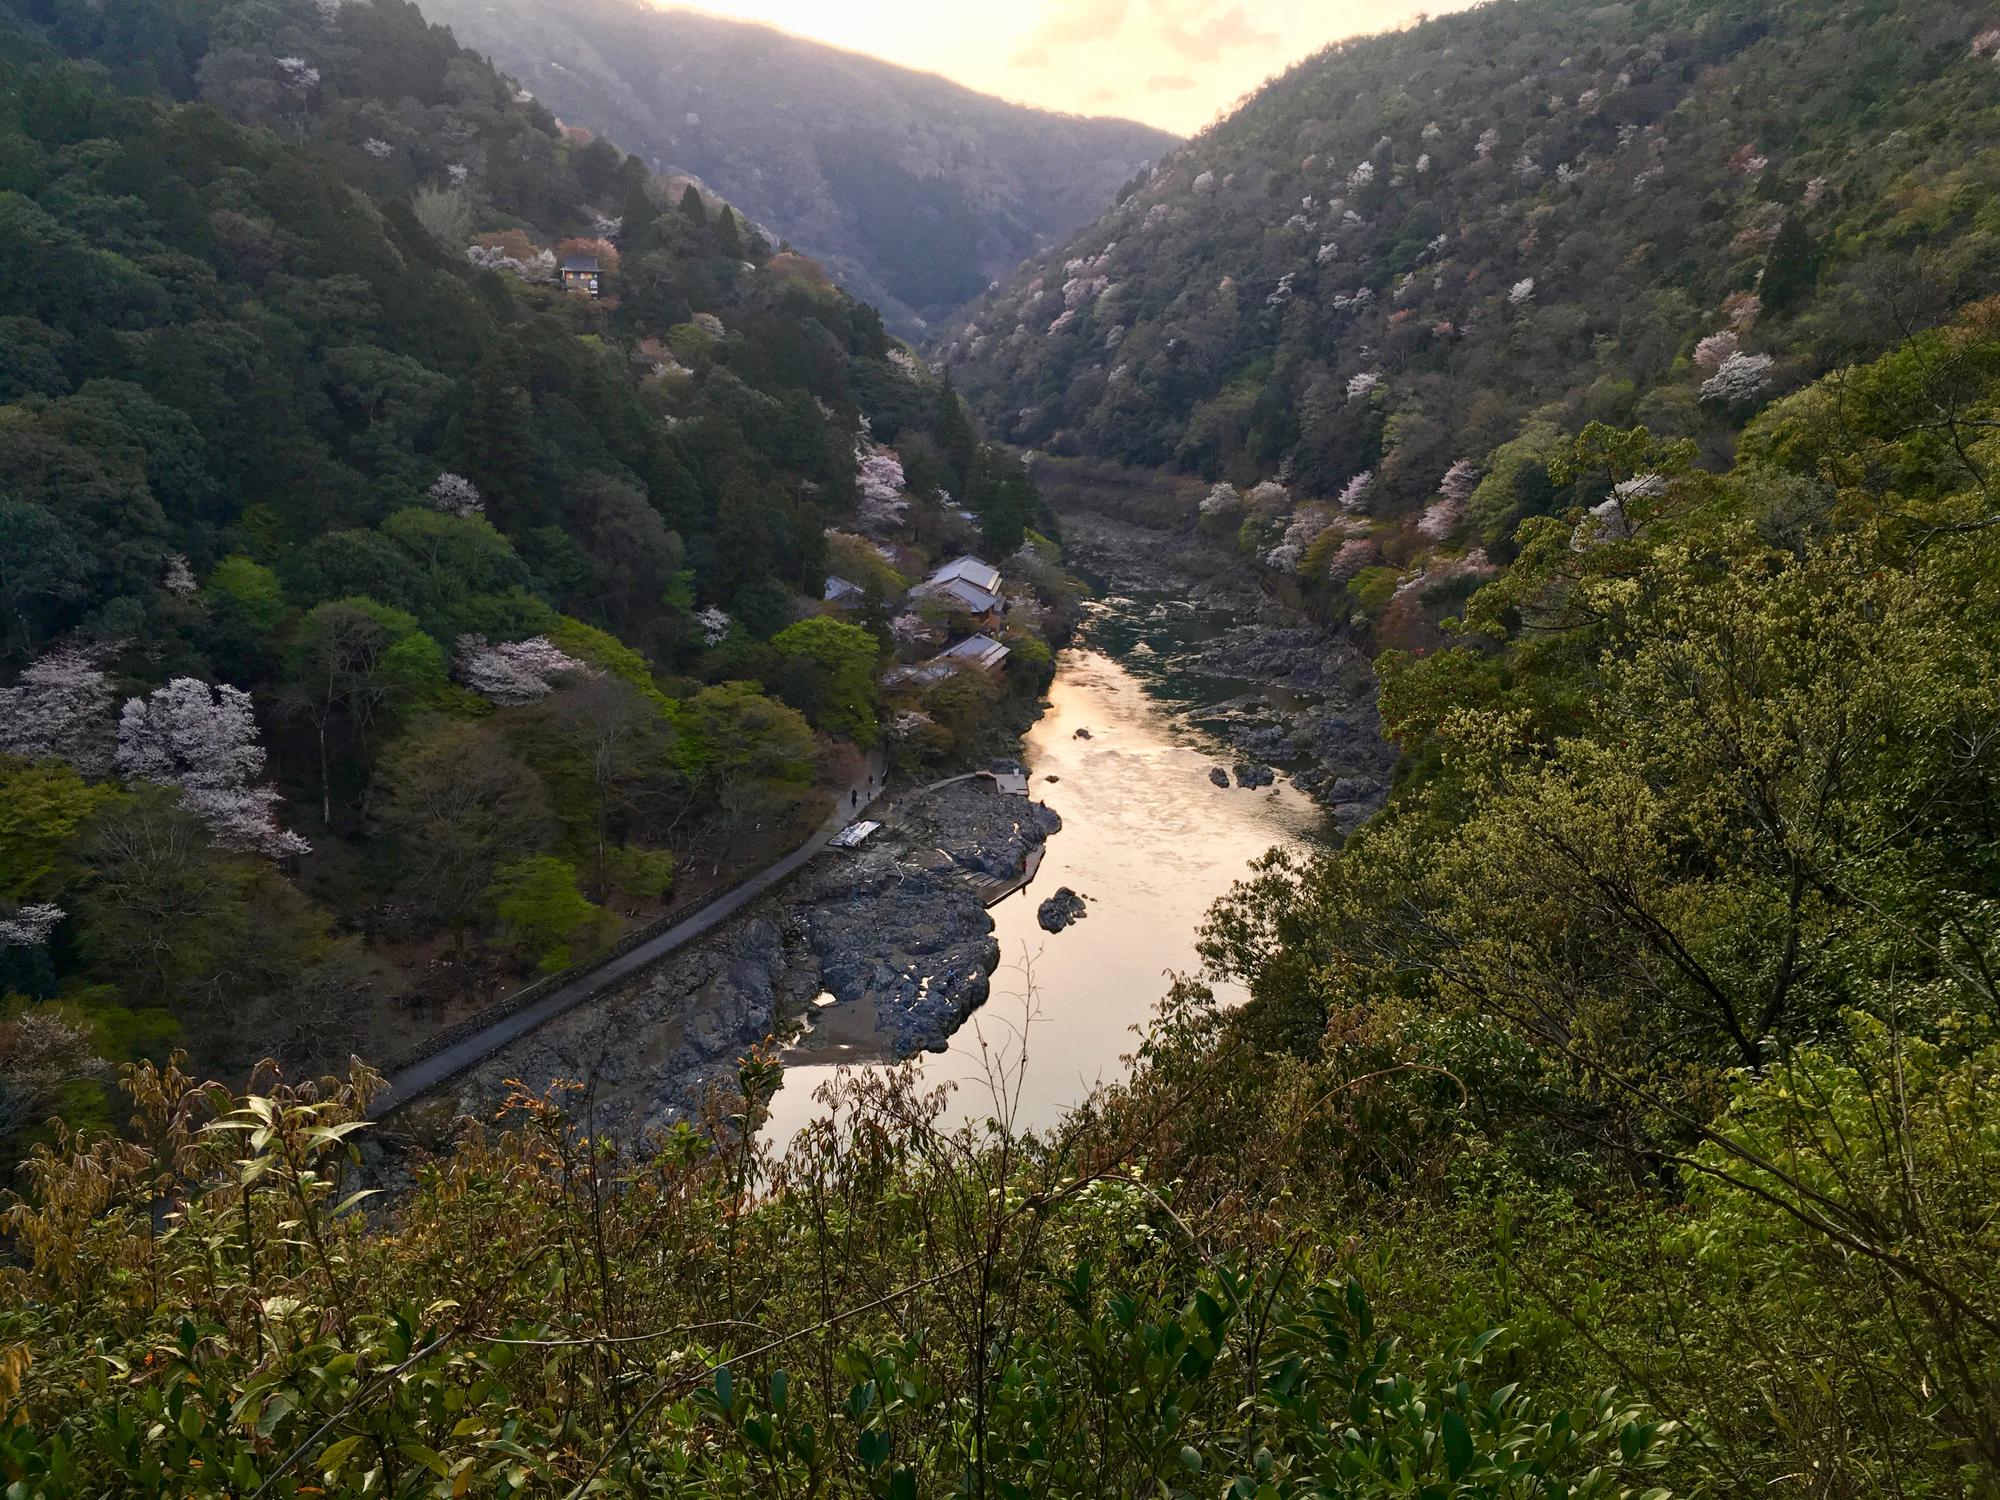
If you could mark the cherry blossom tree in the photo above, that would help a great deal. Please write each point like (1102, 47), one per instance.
(1459, 481)
(1361, 386)
(1354, 496)
(880, 475)
(523, 261)
(1748, 161)
(1522, 292)
(1710, 353)
(179, 577)
(203, 741)
(1742, 309)
(1306, 528)
(1222, 500)
(1269, 495)
(29, 926)
(1738, 378)
(59, 710)
(714, 625)
(511, 673)
(1440, 519)
(1083, 289)
(456, 495)
(298, 75)
(912, 630)
(1355, 554)
(1987, 43)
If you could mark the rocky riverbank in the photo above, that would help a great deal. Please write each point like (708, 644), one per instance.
(896, 930)
(1315, 713)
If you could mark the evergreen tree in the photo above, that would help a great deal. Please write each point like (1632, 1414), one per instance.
(1790, 269)
(954, 434)
(1003, 496)
(493, 440)
(728, 237)
(691, 208)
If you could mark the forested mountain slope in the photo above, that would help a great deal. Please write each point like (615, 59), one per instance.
(383, 621)
(913, 191)
(1611, 1120)
(1451, 242)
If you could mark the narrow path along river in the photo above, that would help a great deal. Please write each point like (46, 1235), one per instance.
(1147, 838)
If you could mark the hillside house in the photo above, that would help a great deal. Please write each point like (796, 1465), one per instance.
(971, 584)
(978, 651)
(580, 274)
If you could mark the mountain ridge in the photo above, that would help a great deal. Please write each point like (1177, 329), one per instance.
(1565, 206)
(914, 191)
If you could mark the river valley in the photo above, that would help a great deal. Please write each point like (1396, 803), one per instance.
(1192, 725)
(1148, 841)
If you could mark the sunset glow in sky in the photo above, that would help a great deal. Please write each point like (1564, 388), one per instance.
(1172, 63)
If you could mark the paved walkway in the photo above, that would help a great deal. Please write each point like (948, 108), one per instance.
(421, 1077)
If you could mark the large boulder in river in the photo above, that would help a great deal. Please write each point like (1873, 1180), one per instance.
(1061, 909)
(1219, 776)
(1250, 775)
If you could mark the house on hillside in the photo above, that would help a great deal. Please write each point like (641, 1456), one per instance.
(842, 594)
(976, 653)
(972, 585)
(580, 274)
(979, 651)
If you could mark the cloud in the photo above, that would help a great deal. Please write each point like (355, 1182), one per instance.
(1084, 21)
(1169, 83)
(1202, 40)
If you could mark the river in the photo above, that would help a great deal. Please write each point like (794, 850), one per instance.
(1147, 838)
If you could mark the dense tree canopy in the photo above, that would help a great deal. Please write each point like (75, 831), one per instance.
(324, 507)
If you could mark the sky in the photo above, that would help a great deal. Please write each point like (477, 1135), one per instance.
(1177, 64)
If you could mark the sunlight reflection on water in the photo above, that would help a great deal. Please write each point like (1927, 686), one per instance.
(1150, 842)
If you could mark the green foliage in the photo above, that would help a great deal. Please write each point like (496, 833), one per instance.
(1688, 887)
(829, 675)
(41, 808)
(487, 1341)
(541, 909)
(645, 874)
(1002, 494)
(1631, 170)
(269, 368)
(738, 732)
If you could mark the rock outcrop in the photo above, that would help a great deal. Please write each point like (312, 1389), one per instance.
(1061, 909)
